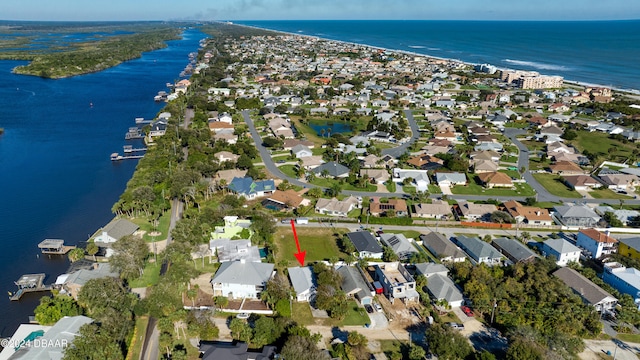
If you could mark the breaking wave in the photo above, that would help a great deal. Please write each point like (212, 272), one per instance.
(537, 65)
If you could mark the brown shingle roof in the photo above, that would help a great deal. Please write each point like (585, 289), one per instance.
(495, 177)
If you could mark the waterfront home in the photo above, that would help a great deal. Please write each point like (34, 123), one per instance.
(250, 189)
(158, 128)
(335, 207)
(355, 285)
(237, 350)
(474, 212)
(438, 209)
(527, 214)
(478, 250)
(72, 283)
(396, 281)
(590, 293)
(400, 245)
(598, 244)
(115, 230)
(396, 206)
(441, 247)
(303, 282)
(576, 215)
(564, 251)
(241, 279)
(233, 250)
(625, 280)
(514, 250)
(439, 285)
(366, 245)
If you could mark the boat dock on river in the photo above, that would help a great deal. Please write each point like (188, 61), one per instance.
(29, 283)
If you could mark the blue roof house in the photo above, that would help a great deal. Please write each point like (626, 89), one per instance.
(251, 189)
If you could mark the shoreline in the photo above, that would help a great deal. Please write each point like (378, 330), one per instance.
(413, 53)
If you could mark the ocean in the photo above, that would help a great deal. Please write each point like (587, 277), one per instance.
(56, 177)
(594, 52)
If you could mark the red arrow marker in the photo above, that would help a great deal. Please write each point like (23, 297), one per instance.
(300, 254)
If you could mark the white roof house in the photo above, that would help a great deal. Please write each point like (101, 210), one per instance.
(420, 177)
(241, 279)
(563, 250)
(451, 178)
(302, 279)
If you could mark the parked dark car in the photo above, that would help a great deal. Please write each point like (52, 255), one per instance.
(369, 308)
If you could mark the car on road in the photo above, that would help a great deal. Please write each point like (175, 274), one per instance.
(369, 308)
(281, 161)
(285, 221)
(243, 316)
(378, 307)
(456, 326)
(467, 311)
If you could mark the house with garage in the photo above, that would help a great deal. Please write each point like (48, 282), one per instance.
(474, 212)
(366, 244)
(72, 283)
(285, 200)
(450, 179)
(355, 285)
(514, 250)
(233, 226)
(441, 247)
(596, 243)
(400, 245)
(396, 206)
(590, 293)
(396, 281)
(581, 182)
(439, 285)
(250, 189)
(566, 168)
(332, 169)
(495, 179)
(620, 182)
(576, 215)
(379, 176)
(303, 282)
(527, 214)
(300, 151)
(116, 230)
(222, 156)
(335, 207)
(214, 350)
(478, 250)
(438, 209)
(419, 178)
(241, 279)
(564, 251)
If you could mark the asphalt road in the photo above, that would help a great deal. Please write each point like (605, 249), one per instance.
(415, 135)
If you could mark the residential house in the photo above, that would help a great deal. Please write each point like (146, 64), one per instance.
(441, 247)
(576, 215)
(354, 284)
(581, 182)
(439, 285)
(438, 209)
(598, 244)
(425, 162)
(335, 207)
(400, 245)
(158, 128)
(474, 212)
(234, 250)
(629, 247)
(625, 280)
(590, 293)
(214, 350)
(333, 169)
(624, 215)
(284, 200)
(232, 227)
(366, 245)
(289, 144)
(396, 281)
(72, 283)
(527, 214)
(620, 182)
(371, 161)
(481, 166)
(219, 127)
(225, 176)
(478, 250)
(495, 179)
(451, 178)
(566, 168)
(397, 206)
(485, 155)
(550, 134)
(419, 178)
(311, 162)
(241, 279)
(379, 176)
(115, 230)
(225, 135)
(222, 156)
(303, 282)
(514, 250)
(250, 189)
(281, 128)
(44, 342)
(300, 151)
(564, 251)
(489, 147)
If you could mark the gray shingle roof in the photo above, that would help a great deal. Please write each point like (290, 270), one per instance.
(301, 278)
(561, 246)
(245, 273)
(477, 248)
(441, 245)
(334, 169)
(441, 287)
(590, 292)
(399, 243)
(514, 249)
(364, 241)
(353, 283)
(633, 243)
(81, 276)
(120, 228)
(428, 269)
(61, 333)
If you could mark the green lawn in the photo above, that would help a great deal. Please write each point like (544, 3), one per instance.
(553, 184)
(302, 313)
(409, 189)
(391, 186)
(356, 316)
(634, 338)
(517, 124)
(145, 224)
(537, 164)
(600, 142)
(328, 182)
(138, 339)
(408, 233)
(289, 170)
(608, 194)
(509, 159)
(320, 244)
(150, 276)
(473, 188)
(434, 189)
(511, 173)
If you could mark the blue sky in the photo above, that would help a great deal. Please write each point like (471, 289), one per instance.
(79, 10)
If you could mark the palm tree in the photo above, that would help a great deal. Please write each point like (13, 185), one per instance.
(322, 131)
(92, 249)
(76, 254)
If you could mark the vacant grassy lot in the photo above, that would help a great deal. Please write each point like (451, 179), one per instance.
(554, 184)
(150, 276)
(601, 143)
(320, 244)
(607, 194)
(474, 188)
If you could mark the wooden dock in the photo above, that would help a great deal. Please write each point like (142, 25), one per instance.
(54, 247)
(29, 283)
(130, 149)
(143, 121)
(134, 133)
(118, 157)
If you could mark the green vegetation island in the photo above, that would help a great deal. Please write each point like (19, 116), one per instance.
(201, 247)
(106, 45)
